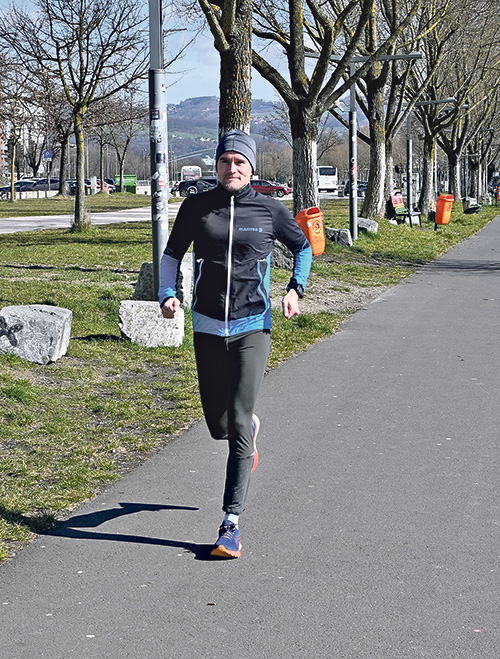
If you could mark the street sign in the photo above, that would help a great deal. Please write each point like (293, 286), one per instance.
(47, 155)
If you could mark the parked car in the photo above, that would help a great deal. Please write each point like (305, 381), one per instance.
(203, 184)
(109, 185)
(71, 185)
(43, 184)
(362, 187)
(19, 186)
(269, 188)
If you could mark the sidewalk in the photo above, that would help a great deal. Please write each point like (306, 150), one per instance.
(372, 527)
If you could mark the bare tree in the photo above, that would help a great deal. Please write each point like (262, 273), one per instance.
(327, 29)
(13, 111)
(132, 119)
(50, 101)
(278, 128)
(469, 74)
(97, 49)
(393, 25)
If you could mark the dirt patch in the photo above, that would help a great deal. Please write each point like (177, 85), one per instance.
(329, 295)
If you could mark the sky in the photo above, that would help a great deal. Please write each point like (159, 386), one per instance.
(197, 73)
(201, 64)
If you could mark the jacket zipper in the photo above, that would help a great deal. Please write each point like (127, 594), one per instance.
(229, 265)
(195, 286)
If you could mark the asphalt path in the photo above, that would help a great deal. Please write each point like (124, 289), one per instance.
(372, 524)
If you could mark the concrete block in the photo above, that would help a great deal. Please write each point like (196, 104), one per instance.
(370, 226)
(281, 256)
(39, 333)
(142, 323)
(144, 285)
(341, 236)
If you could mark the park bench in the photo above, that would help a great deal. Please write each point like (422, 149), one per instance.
(398, 211)
(470, 205)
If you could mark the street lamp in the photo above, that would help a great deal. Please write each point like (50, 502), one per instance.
(158, 139)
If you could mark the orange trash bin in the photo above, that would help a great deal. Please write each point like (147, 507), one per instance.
(443, 208)
(310, 221)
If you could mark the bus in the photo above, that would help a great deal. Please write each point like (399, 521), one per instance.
(327, 178)
(190, 172)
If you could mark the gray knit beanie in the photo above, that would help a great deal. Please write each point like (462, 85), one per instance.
(240, 142)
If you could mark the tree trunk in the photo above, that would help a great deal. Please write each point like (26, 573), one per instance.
(373, 205)
(235, 86)
(101, 163)
(305, 185)
(121, 167)
(389, 169)
(473, 177)
(63, 165)
(304, 141)
(426, 201)
(454, 176)
(82, 219)
(374, 201)
(13, 172)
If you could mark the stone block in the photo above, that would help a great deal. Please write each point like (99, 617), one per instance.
(142, 322)
(185, 281)
(144, 286)
(341, 236)
(370, 226)
(39, 333)
(281, 256)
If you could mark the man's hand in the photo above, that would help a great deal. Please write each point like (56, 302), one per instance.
(171, 308)
(291, 304)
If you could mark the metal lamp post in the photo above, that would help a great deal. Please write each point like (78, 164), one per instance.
(158, 139)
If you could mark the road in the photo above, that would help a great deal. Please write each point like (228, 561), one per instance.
(36, 223)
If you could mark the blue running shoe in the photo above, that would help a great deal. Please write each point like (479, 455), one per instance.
(255, 432)
(229, 543)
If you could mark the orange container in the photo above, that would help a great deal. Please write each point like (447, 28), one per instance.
(443, 208)
(498, 193)
(310, 221)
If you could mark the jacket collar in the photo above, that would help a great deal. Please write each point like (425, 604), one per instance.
(241, 194)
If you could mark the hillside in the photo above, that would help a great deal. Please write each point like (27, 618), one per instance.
(192, 124)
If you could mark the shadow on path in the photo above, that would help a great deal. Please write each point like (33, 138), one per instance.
(76, 526)
(459, 265)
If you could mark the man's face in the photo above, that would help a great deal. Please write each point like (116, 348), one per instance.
(234, 171)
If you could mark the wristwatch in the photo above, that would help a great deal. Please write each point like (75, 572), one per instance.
(293, 285)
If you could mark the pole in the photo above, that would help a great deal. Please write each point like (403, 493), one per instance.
(435, 170)
(409, 165)
(158, 139)
(353, 158)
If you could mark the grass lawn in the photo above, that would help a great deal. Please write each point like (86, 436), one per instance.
(70, 427)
